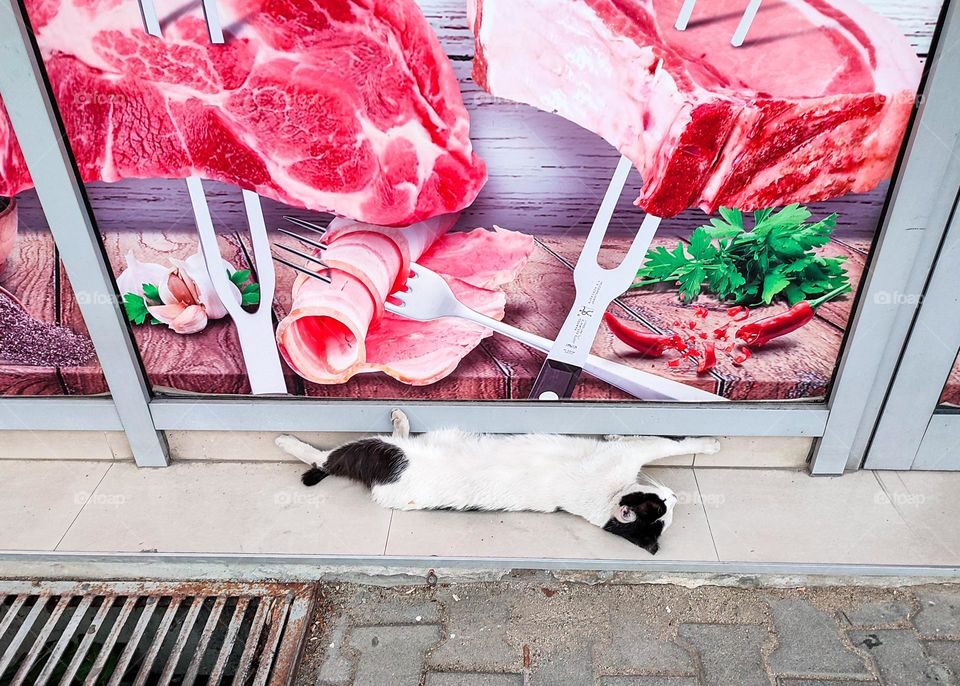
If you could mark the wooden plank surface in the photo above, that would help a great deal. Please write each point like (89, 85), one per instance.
(206, 362)
(30, 276)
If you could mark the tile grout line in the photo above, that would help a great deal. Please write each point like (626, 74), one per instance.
(386, 541)
(706, 515)
(83, 507)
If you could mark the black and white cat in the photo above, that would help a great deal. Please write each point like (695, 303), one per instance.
(599, 480)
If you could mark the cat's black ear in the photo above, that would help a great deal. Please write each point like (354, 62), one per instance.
(313, 476)
(652, 547)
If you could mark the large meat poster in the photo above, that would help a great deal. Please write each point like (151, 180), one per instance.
(483, 157)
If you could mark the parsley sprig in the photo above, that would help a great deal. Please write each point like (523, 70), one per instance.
(777, 258)
(249, 291)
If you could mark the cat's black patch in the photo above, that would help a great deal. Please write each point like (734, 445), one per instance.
(645, 530)
(371, 461)
(313, 476)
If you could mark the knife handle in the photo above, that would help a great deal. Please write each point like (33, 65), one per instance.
(556, 380)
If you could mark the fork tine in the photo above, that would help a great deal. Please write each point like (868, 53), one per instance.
(684, 17)
(315, 244)
(212, 16)
(151, 23)
(303, 270)
(304, 224)
(311, 258)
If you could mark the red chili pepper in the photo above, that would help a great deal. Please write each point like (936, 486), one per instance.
(763, 331)
(644, 342)
(739, 313)
(745, 354)
(709, 360)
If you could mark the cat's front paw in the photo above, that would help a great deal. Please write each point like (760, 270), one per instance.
(288, 444)
(706, 446)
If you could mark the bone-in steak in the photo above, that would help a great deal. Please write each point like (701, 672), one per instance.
(348, 106)
(813, 106)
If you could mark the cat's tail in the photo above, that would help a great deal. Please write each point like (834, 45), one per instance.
(307, 454)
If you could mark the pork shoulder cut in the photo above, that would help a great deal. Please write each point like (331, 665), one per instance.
(813, 106)
(347, 106)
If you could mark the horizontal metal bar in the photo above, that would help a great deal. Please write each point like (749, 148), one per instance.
(673, 419)
(245, 567)
(59, 414)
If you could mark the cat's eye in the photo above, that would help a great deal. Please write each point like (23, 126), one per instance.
(627, 515)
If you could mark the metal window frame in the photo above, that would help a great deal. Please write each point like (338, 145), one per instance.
(920, 207)
(911, 404)
(865, 370)
(40, 134)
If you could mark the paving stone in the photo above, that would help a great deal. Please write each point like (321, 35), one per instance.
(729, 653)
(570, 665)
(878, 614)
(465, 679)
(939, 613)
(649, 681)
(946, 653)
(370, 608)
(901, 659)
(337, 668)
(638, 645)
(810, 643)
(392, 655)
(476, 634)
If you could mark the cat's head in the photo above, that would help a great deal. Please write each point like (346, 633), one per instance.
(641, 514)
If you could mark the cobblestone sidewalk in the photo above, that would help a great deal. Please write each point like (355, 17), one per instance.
(536, 630)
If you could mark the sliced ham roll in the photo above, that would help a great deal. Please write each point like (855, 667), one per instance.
(340, 329)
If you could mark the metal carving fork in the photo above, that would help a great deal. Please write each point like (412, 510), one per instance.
(429, 297)
(255, 329)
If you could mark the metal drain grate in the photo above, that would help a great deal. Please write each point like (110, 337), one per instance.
(147, 633)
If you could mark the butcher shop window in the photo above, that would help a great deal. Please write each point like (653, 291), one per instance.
(766, 165)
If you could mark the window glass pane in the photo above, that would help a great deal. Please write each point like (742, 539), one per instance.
(811, 110)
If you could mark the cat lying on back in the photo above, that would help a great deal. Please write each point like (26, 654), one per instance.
(599, 480)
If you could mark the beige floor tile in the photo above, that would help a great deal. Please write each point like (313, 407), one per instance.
(760, 451)
(784, 516)
(224, 446)
(930, 503)
(223, 507)
(55, 445)
(39, 499)
(560, 535)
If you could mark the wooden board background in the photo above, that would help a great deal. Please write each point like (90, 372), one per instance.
(547, 177)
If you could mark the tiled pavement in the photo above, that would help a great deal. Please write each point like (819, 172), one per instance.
(534, 630)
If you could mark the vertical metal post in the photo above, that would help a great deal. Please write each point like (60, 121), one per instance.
(921, 204)
(926, 364)
(61, 192)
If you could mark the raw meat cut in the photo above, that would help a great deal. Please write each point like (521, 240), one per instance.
(813, 106)
(340, 329)
(347, 106)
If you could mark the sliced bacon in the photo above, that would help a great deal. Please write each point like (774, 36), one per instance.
(337, 330)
